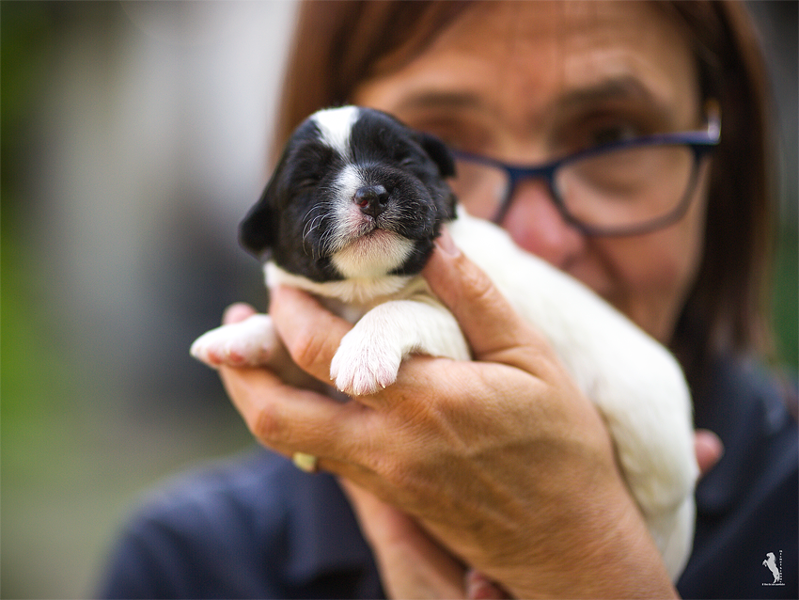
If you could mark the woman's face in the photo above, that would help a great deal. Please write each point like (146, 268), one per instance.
(525, 82)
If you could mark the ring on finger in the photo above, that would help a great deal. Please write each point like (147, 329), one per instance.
(305, 462)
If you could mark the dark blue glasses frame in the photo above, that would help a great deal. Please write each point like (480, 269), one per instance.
(701, 144)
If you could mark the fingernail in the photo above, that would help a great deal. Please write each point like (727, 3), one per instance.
(479, 587)
(447, 244)
(709, 449)
(237, 312)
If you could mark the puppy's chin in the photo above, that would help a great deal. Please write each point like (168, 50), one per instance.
(372, 255)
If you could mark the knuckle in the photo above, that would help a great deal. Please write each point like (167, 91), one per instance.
(267, 424)
(308, 349)
(477, 286)
(482, 289)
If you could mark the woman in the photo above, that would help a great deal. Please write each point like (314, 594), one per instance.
(500, 465)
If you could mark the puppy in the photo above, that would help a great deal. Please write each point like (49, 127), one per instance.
(351, 214)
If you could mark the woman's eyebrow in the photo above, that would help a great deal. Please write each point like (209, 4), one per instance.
(439, 99)
(620, 89)
(625, 87)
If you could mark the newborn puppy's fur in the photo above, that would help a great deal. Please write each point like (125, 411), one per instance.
(351, 214)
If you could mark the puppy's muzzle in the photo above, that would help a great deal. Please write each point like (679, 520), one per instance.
(372, 200)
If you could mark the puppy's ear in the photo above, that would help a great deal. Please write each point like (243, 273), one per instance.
(440, 154)
(438, 151)
(256, 231)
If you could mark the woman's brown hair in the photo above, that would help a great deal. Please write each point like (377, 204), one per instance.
(340, 43)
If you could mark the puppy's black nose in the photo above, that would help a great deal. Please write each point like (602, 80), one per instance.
(372, 199)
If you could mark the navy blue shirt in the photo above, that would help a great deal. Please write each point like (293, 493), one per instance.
(252, 527)
(256, 527)
(747, 505)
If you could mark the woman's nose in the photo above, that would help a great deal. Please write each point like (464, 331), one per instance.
(535, 223)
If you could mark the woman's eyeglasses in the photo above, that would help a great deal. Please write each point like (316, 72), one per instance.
(621, 188)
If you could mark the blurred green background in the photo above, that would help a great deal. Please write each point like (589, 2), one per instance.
(133, 140)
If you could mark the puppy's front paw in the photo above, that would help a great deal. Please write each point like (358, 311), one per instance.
(365, 364)
(246, 344)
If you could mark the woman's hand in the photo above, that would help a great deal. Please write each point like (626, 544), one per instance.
(502, 460)
(411, 563)
(709, 450)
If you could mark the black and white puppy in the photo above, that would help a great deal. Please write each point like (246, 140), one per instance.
(351, 214)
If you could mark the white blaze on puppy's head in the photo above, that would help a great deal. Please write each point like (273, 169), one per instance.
(348, 216)
(335, 125)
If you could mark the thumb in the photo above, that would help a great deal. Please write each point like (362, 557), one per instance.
(237, 312)
(709, 449)
(411, 563)
(491, 325)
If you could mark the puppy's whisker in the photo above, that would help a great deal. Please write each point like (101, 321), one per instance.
(330, 242)
(312, 223)
(309, 229)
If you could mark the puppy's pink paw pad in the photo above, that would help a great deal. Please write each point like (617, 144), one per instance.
(246, 343)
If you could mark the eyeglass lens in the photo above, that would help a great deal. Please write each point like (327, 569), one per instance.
(623, 188)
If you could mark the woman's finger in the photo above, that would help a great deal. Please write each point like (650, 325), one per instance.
(709, 449)
(311, 334)
(237, 312)
(411, 564)
(480, 587)
(290, 420)
(493, 328)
